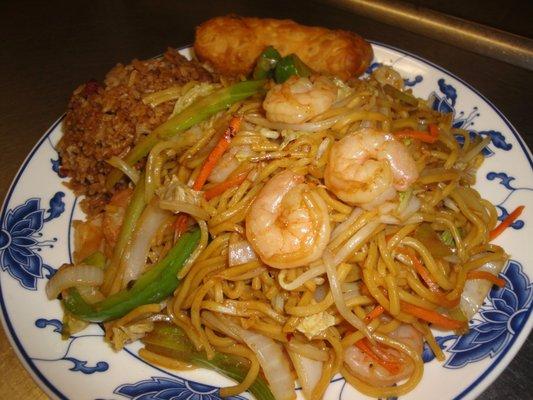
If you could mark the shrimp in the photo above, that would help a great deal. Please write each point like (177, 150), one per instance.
(288, 224)
(299, 99)
(368, 167)
(368, 370)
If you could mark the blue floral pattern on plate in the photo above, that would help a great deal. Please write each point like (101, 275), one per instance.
(502, 316)
(505, 181)
(445, 103)
(78, 365)
(20, 240)
(158, 388)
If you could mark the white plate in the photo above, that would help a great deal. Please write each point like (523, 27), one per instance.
(35, 239)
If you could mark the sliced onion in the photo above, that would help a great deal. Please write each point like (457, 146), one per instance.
(307, 350)
(270, 355)
(308, 370)
(187, 208)
(136, 253)
(240, 252)
(475, 150)
(476, 290)
(74, 275)
(450, 204)
(305, 127)
(413, 205)
(125, 168)
(90, 294)
(336, 291)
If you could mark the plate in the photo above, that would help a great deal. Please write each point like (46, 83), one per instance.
(36, 238)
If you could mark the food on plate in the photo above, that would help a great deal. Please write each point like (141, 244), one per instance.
(293, 226)
(105, 120)
(232, 44)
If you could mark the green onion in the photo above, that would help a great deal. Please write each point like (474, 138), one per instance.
(404, 199)
(266, 63)
(197, 112)
(447, 238)
(291, 65)
(97, 259)
(399, 95)
(153, 286)
(171, 341)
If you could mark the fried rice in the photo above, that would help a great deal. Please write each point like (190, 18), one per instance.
(105, 120)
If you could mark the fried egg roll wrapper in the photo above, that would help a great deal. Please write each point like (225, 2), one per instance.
(231, 45)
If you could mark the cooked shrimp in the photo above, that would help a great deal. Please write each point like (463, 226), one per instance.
(288, 223)
(368, 370)
(368, 167)
(299, 99)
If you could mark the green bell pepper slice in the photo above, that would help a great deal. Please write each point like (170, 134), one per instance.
(152, 287)
(266, 63)
(289, 66)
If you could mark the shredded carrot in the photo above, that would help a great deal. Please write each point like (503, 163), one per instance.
(426, 277)
(493, 234)
(180, 225)
(217, 152)
(364, 346)
(420, 269)
(487, 276)
(434, 130)
(432, 316)
(420, 135)
(227, 184)
(376, 312)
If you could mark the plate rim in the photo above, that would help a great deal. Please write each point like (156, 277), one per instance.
(481, 383)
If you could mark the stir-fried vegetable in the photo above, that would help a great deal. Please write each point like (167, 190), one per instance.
(221, 187)
(308, 371)
(291, 65)
(399, 95)
(136, 253)
(266, 63)
(506, 223)
(197, 112)
(269, 353)
(132, 214)
(440, 320)
(217, 152)
(486, 276)
(447, 238)
(426, 137)
(152, 287)
(391, 365)
(376, 312)
(73, 275)
(170, 341)
(97, 259)
(475, 291)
